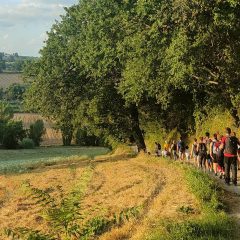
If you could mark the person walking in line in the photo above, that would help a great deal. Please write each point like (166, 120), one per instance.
(238, 153)
(166, 152)
(181, 148)
(238, 157)
(220, 158)
(202, 154)
(208, 141)
(187, 154)
(194, 152)
(230, 145)
(174, 150)
(158, 149)
(214, 148)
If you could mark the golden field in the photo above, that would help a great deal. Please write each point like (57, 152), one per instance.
(117, 182)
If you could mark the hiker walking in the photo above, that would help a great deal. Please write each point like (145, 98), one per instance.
(209, 162)
(202, 153)
(230, 145)
(166, 152)
(214, 148)
(187, 153)
(158, 148)
(220, 158)
(194, 152)
(174, 150)
(181, 148)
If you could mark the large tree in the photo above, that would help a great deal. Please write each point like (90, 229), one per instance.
(107, 63)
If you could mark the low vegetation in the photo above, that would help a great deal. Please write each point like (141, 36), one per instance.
(12, 132)
(213, 222)
(24, 160)
(88, 201)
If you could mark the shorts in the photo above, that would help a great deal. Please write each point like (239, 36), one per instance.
(215, 160)
(221, 161)
(202, 160)
(195, 154)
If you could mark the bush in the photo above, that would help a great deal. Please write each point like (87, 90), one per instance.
(83, 138)
(12, 133)
(27, 143)
(36, 132)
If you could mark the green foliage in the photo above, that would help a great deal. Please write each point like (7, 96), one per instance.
(213, 227)
(83, 138)
(213, 224)
(215, 122)
(27, 234)
(204, 188)
(36, 132)
(15, 92)
(12, 133)
(21, 160)
(107, 65)
(6, 112)
(186, 209)
(27, 143)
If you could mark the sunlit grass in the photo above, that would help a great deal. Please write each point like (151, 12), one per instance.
(27, 159)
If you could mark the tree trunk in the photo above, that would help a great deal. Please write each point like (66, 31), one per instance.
(137, 132)
(67, 135)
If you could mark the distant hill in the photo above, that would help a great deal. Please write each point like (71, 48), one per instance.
(13, 62)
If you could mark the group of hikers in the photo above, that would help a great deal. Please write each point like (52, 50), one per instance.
(219, 154)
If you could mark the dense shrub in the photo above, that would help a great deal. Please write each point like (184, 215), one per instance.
(36, 132)
(85, 139)
(27, 143)
(12, 133)
(15, 92)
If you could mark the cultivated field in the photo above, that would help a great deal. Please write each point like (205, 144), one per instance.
(7, 79)
(25, 159)
(116, 183)
(168, 200)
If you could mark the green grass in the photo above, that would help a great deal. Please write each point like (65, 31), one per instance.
(13, 161)
(213, 224)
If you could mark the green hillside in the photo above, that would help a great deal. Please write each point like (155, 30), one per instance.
(13, 62)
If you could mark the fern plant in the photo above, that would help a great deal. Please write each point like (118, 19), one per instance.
(66, 219)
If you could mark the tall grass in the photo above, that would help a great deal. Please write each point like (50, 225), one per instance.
(213, 223)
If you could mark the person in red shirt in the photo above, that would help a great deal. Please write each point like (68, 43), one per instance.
(229, 144)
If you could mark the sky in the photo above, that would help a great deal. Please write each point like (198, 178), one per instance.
(23, 24)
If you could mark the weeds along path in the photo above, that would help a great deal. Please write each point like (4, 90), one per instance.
(231, 198)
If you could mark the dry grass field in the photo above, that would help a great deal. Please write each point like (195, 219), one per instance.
(117, 182)
(7, 79)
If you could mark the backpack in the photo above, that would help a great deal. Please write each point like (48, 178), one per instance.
(215, 147)
(231, 145)
(174, 147)
(181, 146)
(202, 148)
